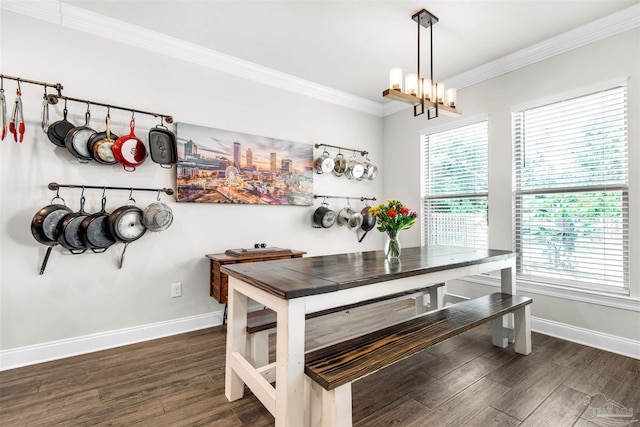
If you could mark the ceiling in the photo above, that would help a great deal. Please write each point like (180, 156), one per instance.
(351, 45)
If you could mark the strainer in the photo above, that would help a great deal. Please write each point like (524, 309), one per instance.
(157, 216)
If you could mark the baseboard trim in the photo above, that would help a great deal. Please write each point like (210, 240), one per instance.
(612, 343)
(39, 353)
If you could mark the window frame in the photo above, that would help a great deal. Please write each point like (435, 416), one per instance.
(424, 193)
(565, 283)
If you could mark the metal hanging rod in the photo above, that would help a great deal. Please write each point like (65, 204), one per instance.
(362, 152)
(54, 186)
(361, 198)
(53, 98)
(168, 119)
(57, 86)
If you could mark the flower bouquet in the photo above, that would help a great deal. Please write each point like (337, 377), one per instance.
(393, 217)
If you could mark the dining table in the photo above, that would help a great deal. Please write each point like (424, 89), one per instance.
(295, 287)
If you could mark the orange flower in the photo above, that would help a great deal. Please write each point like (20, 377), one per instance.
(391, 213)
(404, 210)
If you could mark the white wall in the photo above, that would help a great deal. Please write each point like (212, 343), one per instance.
(82, 296)
(612, 58)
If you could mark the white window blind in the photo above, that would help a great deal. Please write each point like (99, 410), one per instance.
(455, 186)
(571, 210)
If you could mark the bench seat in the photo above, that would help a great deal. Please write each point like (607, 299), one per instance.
(335, 366)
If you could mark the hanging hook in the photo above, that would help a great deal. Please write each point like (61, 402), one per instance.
(158, 196)
(1, 84)
(104, 192)
(19, 90)
(133, 114)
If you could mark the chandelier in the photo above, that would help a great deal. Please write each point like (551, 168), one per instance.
(424, 95)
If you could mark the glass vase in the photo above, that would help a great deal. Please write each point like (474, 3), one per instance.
(392, 247)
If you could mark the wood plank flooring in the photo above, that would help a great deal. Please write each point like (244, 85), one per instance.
(465, 381)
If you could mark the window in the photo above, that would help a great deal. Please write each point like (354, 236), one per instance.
(571, 211)
(455, 186)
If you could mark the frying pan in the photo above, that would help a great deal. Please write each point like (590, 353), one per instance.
(77, 138)
(94, 230)
(100, 145)
(368, 221)
(126, 225)
(129, 150)
(58, 131)
(69, 230)
(44, 226)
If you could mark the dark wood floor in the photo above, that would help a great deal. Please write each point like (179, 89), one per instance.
(179, 381)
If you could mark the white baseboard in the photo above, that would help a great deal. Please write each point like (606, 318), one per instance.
(31, 355)
(612, 343)
(39, 353)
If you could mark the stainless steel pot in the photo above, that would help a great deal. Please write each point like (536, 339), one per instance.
(323, 164)
(339, 165)
(324, 217)
(349, 218)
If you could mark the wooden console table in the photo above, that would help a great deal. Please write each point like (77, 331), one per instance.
(218, 281)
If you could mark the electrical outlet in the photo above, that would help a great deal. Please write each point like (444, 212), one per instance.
(176, 290)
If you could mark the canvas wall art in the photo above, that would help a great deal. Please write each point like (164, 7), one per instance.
(221, 166)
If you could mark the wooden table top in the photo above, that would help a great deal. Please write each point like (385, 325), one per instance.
(298, 277)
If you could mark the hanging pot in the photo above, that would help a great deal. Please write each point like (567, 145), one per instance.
(100, 145)
(162, 146)
(339, 165)
(77, 138)
(354, 169)
(368, 221)
(323, 164)
(126, 225)
(350, 218)
(44, 226)
(324, 217)
(58, 131)
(95, 232)
(370, 171)
(129, 150)
(157, 216)
(69, 230)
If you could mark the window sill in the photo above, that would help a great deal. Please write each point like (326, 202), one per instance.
(592, 297)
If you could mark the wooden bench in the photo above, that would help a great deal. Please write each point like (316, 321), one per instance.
(261, 322)
(333, 368)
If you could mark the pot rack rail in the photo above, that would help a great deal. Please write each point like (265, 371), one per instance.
(361, 198)
(54, 186)
(362, 152)
(53, 98)
(57, 86)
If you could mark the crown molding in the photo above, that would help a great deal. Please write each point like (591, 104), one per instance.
(58, 12)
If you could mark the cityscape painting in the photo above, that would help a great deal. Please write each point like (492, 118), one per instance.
(221, 166)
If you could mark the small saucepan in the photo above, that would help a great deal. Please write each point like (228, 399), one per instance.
(339, 165)
(129, 150)
(323, 164)
(324, 217)
(350, 218)
(44, 226)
